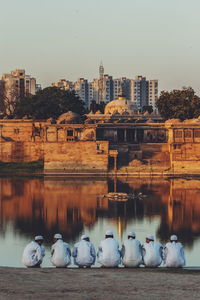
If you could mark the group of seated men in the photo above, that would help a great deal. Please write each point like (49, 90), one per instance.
(132, 253)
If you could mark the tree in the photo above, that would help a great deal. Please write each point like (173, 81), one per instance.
(9, 97)
(180, 104)
(50, 102)
(148, 108)
(94, 107)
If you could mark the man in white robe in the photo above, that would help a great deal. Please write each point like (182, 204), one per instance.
(33, 253)
(131, 252)
(174, 256)
(109, 255)
(152, 252)
(60, 252)
(84, 253)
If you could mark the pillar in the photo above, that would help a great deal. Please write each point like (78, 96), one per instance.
(125, 137)
(135, 135)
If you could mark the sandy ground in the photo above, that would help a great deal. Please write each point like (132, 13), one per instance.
(100, 284)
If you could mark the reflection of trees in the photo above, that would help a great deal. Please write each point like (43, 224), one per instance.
(46, 207)
(37, 206)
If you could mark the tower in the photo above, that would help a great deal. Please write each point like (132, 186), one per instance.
(101, 74)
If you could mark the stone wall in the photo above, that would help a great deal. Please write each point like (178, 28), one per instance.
(85, 156)
(21, 151)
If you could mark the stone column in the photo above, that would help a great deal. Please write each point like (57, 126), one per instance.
(135, 135)
(115, 135)
(125, 137)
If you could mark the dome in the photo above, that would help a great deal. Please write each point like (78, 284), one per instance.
(121, 106)
(69, 118)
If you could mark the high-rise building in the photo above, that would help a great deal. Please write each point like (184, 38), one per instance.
(153, 93)
(82, 90)
(15, 85)
(19, 83)
(144, 92)
(63, 84)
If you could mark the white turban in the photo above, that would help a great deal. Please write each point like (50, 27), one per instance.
(132, 234)
(150, 237)
(84, 236)
(57, 236)
(173, 237)
(39, 238)
(109, 232)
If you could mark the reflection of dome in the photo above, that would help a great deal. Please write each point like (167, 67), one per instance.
(120, 106)
(69, 118)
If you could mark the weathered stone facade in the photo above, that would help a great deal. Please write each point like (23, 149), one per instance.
(172, 147)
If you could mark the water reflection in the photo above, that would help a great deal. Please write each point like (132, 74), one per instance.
(47, 206)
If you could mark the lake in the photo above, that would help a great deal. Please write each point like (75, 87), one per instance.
(76, 206)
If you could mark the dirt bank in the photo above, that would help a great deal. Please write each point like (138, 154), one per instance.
(100, 284)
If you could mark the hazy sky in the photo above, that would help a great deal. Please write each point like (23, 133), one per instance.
(54, 39)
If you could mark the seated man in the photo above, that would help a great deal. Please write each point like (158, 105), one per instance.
(33, 253)
(174, 256)
(84, 252)
(152, 252)
(60, 252)
(109, 254)
(131, 252)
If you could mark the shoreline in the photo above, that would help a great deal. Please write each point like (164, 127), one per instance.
(98, 283)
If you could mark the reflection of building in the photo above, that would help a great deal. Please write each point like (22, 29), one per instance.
(37, 206)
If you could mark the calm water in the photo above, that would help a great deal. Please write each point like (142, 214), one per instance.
(73, 207)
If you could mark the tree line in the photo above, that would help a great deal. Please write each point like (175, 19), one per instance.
(51, 102)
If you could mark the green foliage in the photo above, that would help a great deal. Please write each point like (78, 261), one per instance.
(94, 107)
(9, 167)
(147, 108)
(50, 102)
(180, 104)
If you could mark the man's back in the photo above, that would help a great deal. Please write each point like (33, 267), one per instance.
(131, 253)
(152, 254)
(174, 255)
(60, 254)
(84, 253)
(32, 254)
(109, 255)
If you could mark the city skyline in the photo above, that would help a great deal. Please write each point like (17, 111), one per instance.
(68, 39)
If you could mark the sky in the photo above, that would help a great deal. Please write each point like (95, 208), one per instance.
(54, 39)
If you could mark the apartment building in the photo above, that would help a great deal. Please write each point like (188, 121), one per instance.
(19, 83)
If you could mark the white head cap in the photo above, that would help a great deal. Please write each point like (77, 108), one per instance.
(131, 233)
(109, 232)
(173, 237)
(39, 238)
(57, 236)
(85, 236)
(150, 237)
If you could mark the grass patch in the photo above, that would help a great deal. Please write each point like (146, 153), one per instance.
(34, 166)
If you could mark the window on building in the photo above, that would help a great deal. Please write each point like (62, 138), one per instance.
(69, 132)
(187, 134)
(178, 134)
(197, 133)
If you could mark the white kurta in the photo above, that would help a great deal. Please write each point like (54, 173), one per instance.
(84, 254)
(131, 253)
(60, 254)
(33, 254)
(174, 256)
(109, 254)
(152, 254)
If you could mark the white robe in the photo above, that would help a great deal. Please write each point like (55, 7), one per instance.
(109, 254)
(33, 254)
(174, 255)
(60, 254)
(152, 254)
(131, 253)
(84, 254)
